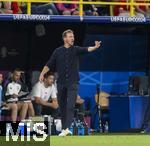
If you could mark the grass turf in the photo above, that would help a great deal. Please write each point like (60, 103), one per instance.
(101, 140)
(97, 140)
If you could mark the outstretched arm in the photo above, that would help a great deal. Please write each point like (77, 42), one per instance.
(97, 45)
(51, 63)
(44, 71)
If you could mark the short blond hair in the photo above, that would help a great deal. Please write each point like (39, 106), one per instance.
(66, 31)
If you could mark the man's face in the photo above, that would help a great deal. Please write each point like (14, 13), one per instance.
(16, 76)
(49, 80)
(69, 39)
(1, 78)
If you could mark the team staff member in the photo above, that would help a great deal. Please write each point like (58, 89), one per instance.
(45, 96)
(12, 93)
(65, 60)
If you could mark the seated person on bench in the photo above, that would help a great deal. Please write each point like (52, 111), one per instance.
(1, 88)
(24, 96)
(11, 93)
(44, 96)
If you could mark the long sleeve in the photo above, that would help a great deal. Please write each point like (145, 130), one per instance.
(81, 50)
(52, 61)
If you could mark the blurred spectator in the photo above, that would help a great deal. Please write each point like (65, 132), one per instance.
(15, 7)
(67, 9)
(73, 9)
(90, 10)
(121, 10)
(145, 10)
(5, 8)
(103, 10)
(9, 8)
(40, 8)
(124, 10)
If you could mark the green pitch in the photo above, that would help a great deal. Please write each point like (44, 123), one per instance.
(101, 140)
(98, 140)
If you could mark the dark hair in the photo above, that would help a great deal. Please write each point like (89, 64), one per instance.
(16, 70)
(48, 74)
(64, 34)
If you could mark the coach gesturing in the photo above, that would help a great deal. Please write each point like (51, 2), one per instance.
(65, 60)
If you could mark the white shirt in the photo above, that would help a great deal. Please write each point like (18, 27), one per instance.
(13, 88)
(39, 90)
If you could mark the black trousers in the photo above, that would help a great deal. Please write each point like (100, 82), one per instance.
(44, 110)
(50, 111)
(66, 98)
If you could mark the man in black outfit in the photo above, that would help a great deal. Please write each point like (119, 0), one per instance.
(65, 60)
